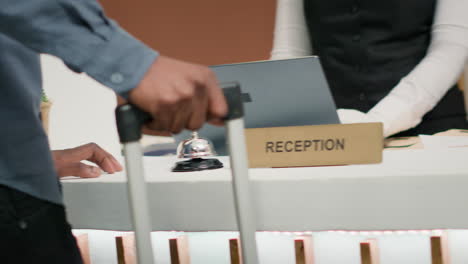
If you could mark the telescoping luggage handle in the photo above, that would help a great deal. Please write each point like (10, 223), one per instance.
(129, 122)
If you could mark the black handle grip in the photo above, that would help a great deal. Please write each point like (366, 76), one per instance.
(130, 118)
(233, 94)
(129, 121)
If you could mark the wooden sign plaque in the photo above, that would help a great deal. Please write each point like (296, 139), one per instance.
(315, 145)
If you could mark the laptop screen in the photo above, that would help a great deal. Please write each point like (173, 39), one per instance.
(277, 93)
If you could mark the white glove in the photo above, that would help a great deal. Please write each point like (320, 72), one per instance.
(349, 116)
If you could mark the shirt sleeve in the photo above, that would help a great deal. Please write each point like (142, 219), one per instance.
(291, 38)
(78, 32)
(419, 91)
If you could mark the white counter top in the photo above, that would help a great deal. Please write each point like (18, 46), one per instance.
(411, 189)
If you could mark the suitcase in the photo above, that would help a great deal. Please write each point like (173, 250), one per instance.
(129, 121)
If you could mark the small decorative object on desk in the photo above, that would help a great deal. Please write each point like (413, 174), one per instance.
(195, 148)
(46, 104)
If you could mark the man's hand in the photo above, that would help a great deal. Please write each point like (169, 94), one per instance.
(179, 96)
(68, 161)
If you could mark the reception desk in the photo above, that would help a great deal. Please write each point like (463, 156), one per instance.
(411, 189)
(341, 207)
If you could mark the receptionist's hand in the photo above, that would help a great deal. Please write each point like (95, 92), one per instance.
(349, 116)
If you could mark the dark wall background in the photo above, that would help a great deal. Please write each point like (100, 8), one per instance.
(204, 31)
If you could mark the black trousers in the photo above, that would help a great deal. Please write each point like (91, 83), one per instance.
(34, 231)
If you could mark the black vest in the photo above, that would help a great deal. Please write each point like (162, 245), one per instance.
(366, 47)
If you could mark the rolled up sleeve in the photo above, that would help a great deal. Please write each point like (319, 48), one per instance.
(78, 32)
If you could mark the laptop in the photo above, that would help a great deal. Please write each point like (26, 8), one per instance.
(276, 93)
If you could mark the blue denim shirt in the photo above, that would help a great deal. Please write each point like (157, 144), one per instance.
(78, 32)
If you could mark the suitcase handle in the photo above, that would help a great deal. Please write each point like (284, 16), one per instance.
(129, 122)
(130, 118)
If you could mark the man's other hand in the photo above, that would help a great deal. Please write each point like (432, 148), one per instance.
(68, 161)
(179, 95)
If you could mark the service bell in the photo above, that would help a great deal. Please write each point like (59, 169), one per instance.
(195, 148)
